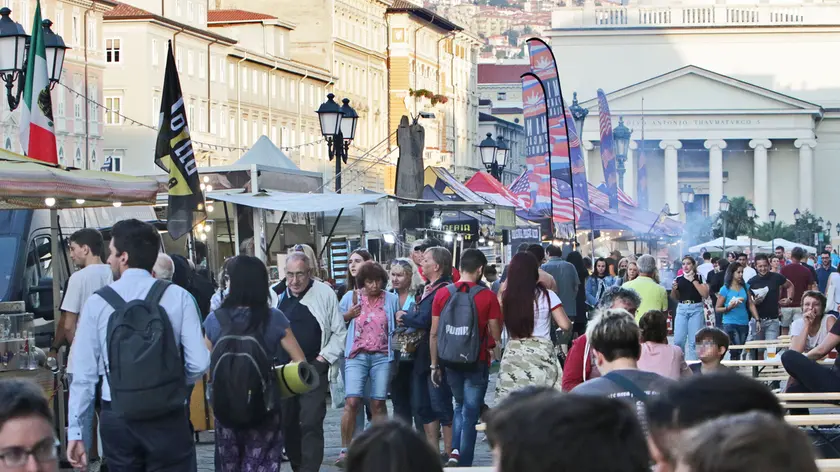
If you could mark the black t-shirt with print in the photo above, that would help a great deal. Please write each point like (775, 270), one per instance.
(768, 309)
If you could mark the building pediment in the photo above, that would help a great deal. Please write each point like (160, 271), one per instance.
(694, 90)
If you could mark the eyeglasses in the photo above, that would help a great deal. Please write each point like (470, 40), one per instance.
(297, 275)
(45, 451)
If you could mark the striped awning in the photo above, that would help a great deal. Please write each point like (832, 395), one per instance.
(27, 183)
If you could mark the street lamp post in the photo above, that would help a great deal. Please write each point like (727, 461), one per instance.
(772, 218)
(724, 208)
(796, 217)
(578, 116)
(14, 48)
(338, 126)
(687, 197)
(820, 224)
(494, 154)
(621, 138)
(751, 215)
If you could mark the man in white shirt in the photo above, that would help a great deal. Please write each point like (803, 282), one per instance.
(86, 252)
(749, 272)
(706, 267)
(160, 443)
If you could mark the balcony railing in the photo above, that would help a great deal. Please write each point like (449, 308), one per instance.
(591, 16)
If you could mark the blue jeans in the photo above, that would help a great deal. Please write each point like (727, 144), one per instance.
(468, 389)
(688, 321)
(737, 336)
(440, 399)
(769, 331)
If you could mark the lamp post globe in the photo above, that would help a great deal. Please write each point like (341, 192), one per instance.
(487, 150)
(349, 120)
(724, 204)
(771, 217)
(330, 115)
(55, 50)
(621, 139)
(751, 211)
(797, 215)
(13, 41)
(502, 153)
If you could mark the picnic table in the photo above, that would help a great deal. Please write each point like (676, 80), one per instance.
(758, 366)
(828, 465)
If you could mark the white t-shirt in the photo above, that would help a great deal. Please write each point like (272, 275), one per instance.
(749, 273)
(83, 284)
(542, 313)
(704, 269)
(798, 326)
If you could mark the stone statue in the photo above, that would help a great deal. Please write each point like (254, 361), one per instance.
(411, 139)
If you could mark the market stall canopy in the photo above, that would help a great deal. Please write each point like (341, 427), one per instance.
(715, 245)
(492, 190)
(788, 245)
(745, 242)
(27, 183)
(296, 202)
(265, 153)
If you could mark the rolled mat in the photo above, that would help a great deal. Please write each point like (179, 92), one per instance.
(296, 378)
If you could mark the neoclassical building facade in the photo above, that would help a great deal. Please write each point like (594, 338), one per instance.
(735, 100)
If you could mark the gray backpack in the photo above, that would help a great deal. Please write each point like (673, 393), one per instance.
(146, 369)
(459, 342)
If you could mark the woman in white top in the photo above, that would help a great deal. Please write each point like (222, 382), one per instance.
(811, 330)
(528, 309)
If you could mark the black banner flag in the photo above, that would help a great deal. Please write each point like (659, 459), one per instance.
(174, 154)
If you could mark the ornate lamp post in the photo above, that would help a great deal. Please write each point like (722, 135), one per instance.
(338, 126)
(796, 217)
(621, 138)
(578, 115)
(687, 197)
(772, 218)
(724, 208)
(494, 155)
(14, 47)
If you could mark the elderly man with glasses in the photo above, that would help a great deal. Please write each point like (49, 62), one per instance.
(312, 309)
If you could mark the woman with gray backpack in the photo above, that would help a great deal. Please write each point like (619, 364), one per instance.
(244, 336)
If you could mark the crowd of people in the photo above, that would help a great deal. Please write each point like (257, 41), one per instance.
(577, 343)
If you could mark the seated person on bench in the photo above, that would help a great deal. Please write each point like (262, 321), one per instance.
(809, 376)
(712, 344)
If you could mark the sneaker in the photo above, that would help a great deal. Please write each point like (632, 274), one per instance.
(342, 456)
(444, 458)
(453, 459)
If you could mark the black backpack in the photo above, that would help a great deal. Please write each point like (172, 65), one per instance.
(459, 342)
(146, 369)
(244, 385)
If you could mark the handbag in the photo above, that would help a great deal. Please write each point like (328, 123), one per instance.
(405, 341)
(709, 312)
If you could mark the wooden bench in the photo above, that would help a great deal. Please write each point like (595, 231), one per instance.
(813, 420)
(828, 465)
(808, 397)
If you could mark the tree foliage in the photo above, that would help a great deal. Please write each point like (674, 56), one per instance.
(737, 221)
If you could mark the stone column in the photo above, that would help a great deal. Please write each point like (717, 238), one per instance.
(761, 193)
(585, 147)
(672, 186)
(806, 172)
(630, 184)
(715, 147)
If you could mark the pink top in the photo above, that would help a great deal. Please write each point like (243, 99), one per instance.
(371, 327)
(663, 359)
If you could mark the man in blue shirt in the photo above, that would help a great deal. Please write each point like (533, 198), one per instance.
(163, 443)
(824, 270)
(835, 259)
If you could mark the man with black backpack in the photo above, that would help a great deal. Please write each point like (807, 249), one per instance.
(464, 318)
(144, 337)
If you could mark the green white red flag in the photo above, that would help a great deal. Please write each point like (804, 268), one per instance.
(37, 130)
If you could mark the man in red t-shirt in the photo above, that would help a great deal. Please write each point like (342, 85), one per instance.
(803, 280)
(469, 385)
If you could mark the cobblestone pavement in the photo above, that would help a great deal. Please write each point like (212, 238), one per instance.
(332, 432)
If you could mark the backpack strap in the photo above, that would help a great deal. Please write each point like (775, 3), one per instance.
(111, 297)
(628, 385)
(223, 317)
(156, 292)
(452, 288)
(476, 289)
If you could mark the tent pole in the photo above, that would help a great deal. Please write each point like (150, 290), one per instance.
(230, 233)
(276, 230)
(329, 236)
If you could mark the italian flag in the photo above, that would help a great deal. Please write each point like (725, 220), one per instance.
(37, 131)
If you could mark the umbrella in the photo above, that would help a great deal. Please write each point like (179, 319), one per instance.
(716, 245)
(788, 245)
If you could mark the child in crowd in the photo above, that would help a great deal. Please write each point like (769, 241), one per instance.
(749, 441)
(712, 344)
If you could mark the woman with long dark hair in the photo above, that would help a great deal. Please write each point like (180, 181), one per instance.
(579, 327)
(528, 309)
(734, 303)
(599, 282)
(245, 306)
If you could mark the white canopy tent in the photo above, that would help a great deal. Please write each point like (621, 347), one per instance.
(788, 245)
(296, 202)
(716, 245)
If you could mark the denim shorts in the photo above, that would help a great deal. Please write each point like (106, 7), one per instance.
(364, 368)
(789, 315)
